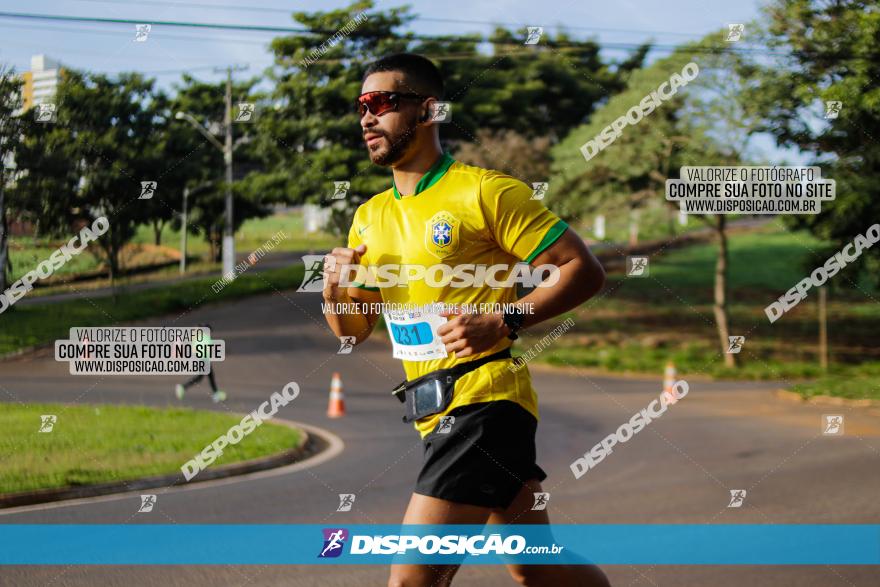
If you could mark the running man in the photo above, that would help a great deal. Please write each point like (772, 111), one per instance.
(217, 395)
(441, 211)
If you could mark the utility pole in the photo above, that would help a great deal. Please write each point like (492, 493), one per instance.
(226, 148)
(4, 237)
(823, 329)
(228, 238)
(228, 232)
(183, 232)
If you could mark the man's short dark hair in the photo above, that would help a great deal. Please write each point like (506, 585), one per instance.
(420, 74)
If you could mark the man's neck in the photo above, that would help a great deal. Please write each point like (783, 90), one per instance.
(408, 173)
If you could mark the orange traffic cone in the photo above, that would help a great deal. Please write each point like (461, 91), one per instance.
(336, 408)
(669, 378)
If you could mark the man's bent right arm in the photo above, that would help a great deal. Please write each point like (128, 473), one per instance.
(348, 309)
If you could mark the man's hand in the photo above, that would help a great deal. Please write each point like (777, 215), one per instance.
(469, 334)
(333, 265)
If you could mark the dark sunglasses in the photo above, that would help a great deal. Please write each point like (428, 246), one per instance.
(378, 103)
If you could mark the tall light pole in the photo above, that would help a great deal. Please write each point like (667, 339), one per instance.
(228, 256)
(228, 239)
(228, 233)
(183, 230)
(225, 148)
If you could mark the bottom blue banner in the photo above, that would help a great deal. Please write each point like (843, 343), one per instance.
(630, 544)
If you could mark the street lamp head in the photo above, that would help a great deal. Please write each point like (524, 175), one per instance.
(180, 116)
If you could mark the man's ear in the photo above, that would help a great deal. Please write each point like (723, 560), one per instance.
(427, 115)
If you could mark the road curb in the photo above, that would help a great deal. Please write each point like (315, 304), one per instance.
(826, 400)
(309, 446)
(24, 351)
(541, 366)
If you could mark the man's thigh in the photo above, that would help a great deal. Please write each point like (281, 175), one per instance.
(520, 512)
(423, 509)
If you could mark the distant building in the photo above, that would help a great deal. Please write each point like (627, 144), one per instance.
(41, 82)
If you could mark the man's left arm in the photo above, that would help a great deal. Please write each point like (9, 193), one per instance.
(580, 277)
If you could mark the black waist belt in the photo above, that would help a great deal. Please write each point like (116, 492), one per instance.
(432, 393)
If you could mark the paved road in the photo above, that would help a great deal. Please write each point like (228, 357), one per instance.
(678, 470)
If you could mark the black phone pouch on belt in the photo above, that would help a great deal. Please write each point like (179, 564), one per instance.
(432, 393)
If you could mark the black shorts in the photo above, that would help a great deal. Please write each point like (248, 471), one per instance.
(484, 459)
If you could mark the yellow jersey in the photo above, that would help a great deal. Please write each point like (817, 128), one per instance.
(458, 215)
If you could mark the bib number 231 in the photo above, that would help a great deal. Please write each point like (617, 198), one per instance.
(414, 335)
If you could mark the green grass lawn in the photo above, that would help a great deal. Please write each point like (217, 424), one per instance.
(29, 325)
(28, 252)
(638, 325)
(253, 234)
(855, 387)
(98, 444)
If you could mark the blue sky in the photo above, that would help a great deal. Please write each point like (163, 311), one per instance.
(171, 50)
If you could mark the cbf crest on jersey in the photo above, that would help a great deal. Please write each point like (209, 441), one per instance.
(441, 238)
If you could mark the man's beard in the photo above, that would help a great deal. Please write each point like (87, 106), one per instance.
(396, 149)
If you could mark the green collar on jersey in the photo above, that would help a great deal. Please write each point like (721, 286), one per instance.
(433, 175)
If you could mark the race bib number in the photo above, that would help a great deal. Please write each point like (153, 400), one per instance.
(414, 335)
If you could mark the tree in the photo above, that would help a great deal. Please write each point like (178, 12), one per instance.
(510, 152)
(200, 166)
(10, 137)
(706, 123)
(828, 52)
(92, 160)
(719, 110)
(632, 170)
(309, 137)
